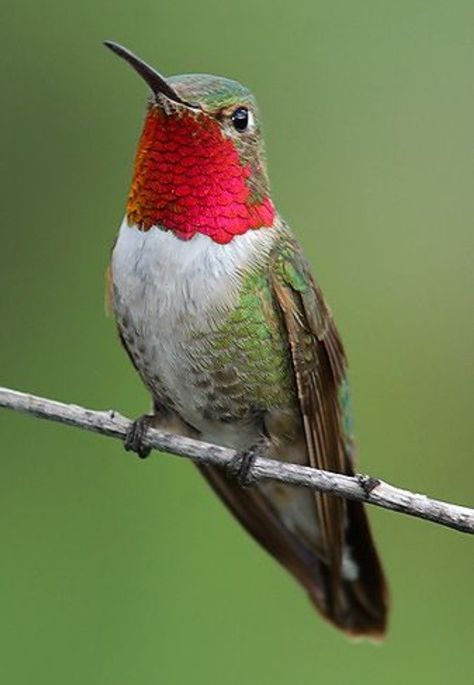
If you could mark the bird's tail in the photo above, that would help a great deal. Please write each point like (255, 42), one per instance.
(357, 602)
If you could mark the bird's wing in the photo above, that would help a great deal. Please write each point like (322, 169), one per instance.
(319, 367)
(358, 605)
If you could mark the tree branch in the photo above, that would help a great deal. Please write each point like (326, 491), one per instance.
(360, 488)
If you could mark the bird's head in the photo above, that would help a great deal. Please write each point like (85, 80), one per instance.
(200, 165)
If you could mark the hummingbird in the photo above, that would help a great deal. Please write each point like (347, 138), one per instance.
(218, 311)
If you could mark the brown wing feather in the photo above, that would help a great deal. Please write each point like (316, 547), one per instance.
(318, 362)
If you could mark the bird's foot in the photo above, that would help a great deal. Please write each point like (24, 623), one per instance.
(240, 467)
(136, 434)
(367, 483)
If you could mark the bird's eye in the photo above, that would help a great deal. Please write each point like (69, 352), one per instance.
(240, 119)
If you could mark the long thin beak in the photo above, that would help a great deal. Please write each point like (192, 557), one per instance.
(155, 80)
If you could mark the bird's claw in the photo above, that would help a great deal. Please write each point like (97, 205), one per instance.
(367, 483)
(135, 437)
(240, 467)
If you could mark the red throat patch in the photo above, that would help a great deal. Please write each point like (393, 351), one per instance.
(189, 179)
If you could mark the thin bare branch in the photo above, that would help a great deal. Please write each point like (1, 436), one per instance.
(361, 488)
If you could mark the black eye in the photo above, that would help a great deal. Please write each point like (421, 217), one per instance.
(240, 119)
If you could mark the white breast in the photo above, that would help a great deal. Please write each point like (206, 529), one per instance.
(169, 290)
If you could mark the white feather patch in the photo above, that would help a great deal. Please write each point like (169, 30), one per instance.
(173, 290)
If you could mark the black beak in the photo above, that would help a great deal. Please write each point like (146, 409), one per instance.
(156, 82)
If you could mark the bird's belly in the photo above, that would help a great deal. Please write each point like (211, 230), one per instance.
(173, 367)
(168, 355)
(171, 310)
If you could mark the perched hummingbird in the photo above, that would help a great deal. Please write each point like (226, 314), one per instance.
(217, 309)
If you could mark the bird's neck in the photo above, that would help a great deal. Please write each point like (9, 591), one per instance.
(189, 178)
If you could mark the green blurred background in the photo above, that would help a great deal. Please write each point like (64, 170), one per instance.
(121, 572)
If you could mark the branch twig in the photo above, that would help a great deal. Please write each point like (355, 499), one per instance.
(361, 488)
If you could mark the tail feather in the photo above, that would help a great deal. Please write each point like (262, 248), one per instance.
(358, 607)
(362, 606)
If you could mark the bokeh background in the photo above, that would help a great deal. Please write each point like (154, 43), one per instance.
(121, 572)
